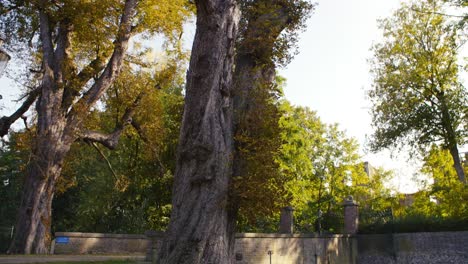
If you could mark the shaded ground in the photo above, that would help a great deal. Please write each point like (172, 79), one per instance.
(17, 259)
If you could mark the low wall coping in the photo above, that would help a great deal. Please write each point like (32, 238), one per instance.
(278, 235)
(99, 235)
(157, 234)
(417, 233)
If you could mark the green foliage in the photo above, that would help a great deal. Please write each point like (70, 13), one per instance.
(94, 31)
(134, 195)
(91, 196)
(318, 166)
(417, 97)
(322, 166)
(440, 206)
(415, 222)
(12, 160)
(451, 196)
(260, 189)
(285, 45)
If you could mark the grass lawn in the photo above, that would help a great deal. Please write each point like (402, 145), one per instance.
(95, 262)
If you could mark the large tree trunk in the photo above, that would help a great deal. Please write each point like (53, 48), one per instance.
(33, 224)
(58, 126)
(198, 231)
(50, 147)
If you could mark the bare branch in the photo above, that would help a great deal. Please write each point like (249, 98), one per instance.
(7, 121)
(109, 165)
(25, 121)
(437, 13)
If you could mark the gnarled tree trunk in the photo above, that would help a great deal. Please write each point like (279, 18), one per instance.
(198, 231)
(34, 216)
(59, 124)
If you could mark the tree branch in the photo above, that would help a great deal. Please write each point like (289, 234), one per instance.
(109, 165)
(111, 140)
(7, 121)
(114, 65)
(46, 38)
(25, 122)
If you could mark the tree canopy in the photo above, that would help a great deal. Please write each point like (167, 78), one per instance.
(72, 52)
(417, 96)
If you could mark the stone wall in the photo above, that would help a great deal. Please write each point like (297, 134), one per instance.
(95, 243)
(251, 248)
(437, 247)
(258, 248)
(294, 248)
(254, 248)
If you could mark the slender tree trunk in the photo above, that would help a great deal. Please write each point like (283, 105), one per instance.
(451, 139)
(457, 163)
(198, 231)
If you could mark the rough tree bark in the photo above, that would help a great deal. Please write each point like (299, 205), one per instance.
(7, 121)
(457, 164)
(198, 231)
(451, 138)
(203, 219)
(58, 126)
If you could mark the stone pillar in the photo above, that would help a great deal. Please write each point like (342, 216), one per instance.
(286, 220)
(351, 216)
(154, 238)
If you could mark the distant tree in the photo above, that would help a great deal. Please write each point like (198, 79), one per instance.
(417, 98)
(322, 166)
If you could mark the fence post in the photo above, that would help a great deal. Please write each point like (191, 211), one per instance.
(286, 220)
(351, 216)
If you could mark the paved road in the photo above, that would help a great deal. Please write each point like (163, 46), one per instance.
(61, 258)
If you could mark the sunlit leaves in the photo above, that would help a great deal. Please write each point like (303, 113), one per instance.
(284, 45)
(137, 197)
(165, 17)
(417, 97)
(322, 167)
(448, 195)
